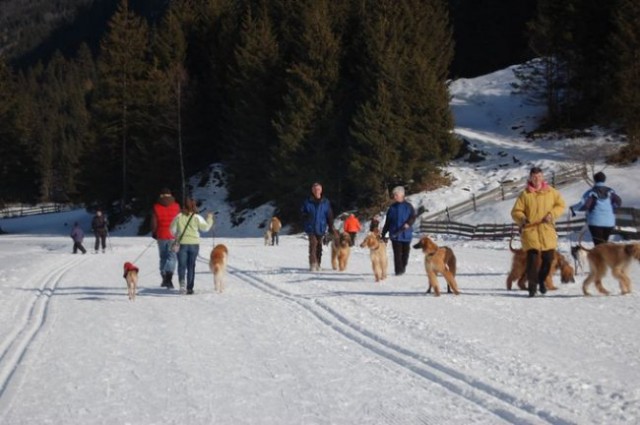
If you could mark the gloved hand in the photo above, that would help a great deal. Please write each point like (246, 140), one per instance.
(547, 218)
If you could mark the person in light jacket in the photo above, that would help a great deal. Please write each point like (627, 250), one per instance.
(535, 211)
(186, 228)
(599, 204)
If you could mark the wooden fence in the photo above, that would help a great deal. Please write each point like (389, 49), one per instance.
(627, 226)
(506, 190)
(21, 210)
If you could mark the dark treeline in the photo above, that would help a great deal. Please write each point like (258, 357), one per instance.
(589, 67)
(284, 92)
(287, 92)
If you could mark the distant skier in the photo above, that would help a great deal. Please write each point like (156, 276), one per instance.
(99, 227)
(78, 236)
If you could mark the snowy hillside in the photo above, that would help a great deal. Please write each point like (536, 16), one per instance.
(287, 346)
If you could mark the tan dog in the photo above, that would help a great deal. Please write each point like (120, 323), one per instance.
(377, 253)
(438, 260)
(267, 238)
(618, 258)
(218, 266)
(340, 251)
(131, 277)
(518, 270)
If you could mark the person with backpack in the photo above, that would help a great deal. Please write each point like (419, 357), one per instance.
(164, 211)
(599, 204)
(99, 226)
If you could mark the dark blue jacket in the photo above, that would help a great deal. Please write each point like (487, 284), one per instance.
(399, 214)
(317, 216)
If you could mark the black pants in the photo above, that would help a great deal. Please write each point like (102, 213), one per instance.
(78, 246)
(600, 234)
(274, 238)
(101, 239)
(401, 252)
(535, 276)
(352, 235)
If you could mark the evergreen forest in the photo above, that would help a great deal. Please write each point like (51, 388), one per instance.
(350, 93)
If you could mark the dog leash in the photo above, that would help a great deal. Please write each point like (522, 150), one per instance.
(144, 250)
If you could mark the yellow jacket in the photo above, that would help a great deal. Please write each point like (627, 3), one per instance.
(529, 211)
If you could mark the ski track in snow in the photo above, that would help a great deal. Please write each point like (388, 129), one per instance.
(480, 393)
(34, 316)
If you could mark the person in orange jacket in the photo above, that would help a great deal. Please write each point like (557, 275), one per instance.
(352, 227)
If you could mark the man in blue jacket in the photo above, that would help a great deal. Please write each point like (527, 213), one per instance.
(599, 204)
(317, 216)
(399, 224)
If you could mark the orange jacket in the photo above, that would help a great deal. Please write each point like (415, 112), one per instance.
(351, 224)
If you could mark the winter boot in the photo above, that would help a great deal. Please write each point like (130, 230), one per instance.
(164, 280)
(168, 276)
(183, 287)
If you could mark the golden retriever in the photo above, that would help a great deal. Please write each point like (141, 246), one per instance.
(438, 260)
(131, 277)
(378, 254)
(218, 266)
(518, 270)
(340, 251)
(615, 256)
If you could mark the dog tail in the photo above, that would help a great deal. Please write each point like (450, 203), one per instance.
(580, 240)
(450, 261)
(511, 248)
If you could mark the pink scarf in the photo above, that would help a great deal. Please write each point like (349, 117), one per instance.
(531, 188)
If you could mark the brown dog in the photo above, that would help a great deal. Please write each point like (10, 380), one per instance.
(438, 260)
(378, 254)
(340, 251)
(218, 266)
(618, 258)
(131, 277)
(518, 270)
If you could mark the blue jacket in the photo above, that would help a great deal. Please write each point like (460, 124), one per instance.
(599, 204)
(317, 216)
(399, 214)
(77, 234)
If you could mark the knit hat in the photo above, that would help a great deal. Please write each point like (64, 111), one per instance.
(599, 177)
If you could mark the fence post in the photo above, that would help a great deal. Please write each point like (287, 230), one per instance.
(473, 199)
(447, 211)
(553, 178)
(502, 191)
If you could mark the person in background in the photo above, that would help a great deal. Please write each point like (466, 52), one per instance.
(535, 211)
(99, 226)
(599, 204)
(78, 236)
(164, 211)
(274, 226)
(317, 216)
(399, 224)
(187, 226)
(352, 227)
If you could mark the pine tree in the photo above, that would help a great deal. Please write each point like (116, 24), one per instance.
(121, 107)
(407, 50)
(248, 128)
(17, 169)
(306, 124)
(624, 42)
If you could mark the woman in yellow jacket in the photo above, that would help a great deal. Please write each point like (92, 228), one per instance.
(536, 211)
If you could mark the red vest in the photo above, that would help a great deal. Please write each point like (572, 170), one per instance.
(165, 215)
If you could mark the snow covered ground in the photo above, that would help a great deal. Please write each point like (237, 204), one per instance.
(287, 346)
